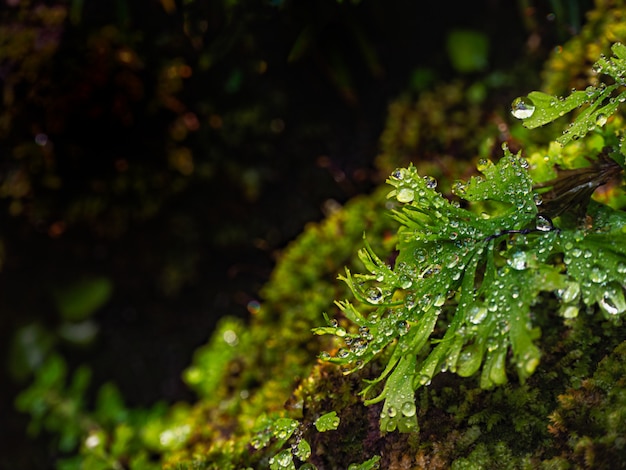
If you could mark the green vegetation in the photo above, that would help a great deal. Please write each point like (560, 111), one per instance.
(483, 269)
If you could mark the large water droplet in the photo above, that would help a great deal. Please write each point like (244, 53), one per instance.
(431, 183)
(543, 224)
(569, 311)
(477, 314)
(375, 295)
(405, 281)
(408, 409)
(601, 120)
(522, 108)
(518, 260)
(405, 195)
(570, 293)
(597, 274)
(612, 301)
(398, 174)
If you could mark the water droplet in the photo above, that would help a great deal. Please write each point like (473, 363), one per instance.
(392, 411)
(424, 302)
(612, 301)
(543, 224)
(601, 120)
(405, 281)
(343, 353)
(408, 409)
(483, 164)
(391, 426)
(597, 274)
(459, 188)
(621, 268)
(425, 380)
(453, 261)
(477, 314)
(398, 174)
(440, 299)
(420, 255)
(515, 292)
(403, 327)
(570, 293)
(431, 183)
(518, 260)
(570, 311)
(375, 295)
(522, 108)
(537, 199)
(405, 195)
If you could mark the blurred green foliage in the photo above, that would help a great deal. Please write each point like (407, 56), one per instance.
(468, 50)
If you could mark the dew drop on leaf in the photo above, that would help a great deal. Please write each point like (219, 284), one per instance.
(543, 224)
(570, 311)
(522, 108)
(597, 274)
(405, 195)
(601, 120)
(408, 409)
(518, 260)
(375, 295)
(477, 314)
(570, 293)
(398, 174)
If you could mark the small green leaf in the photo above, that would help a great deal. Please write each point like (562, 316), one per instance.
(282, 461)
(327, 422)
(79, 300)
(303, 450)
(598, 101)
(370, 464)
(548, 107)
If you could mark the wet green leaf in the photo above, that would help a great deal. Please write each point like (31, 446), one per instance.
(327, 422)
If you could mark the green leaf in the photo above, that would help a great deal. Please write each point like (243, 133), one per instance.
(79, 300)
(599, 101)
(282, 461)
(327, 422)
(548, 107)
(369, 464)
(303, 450)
